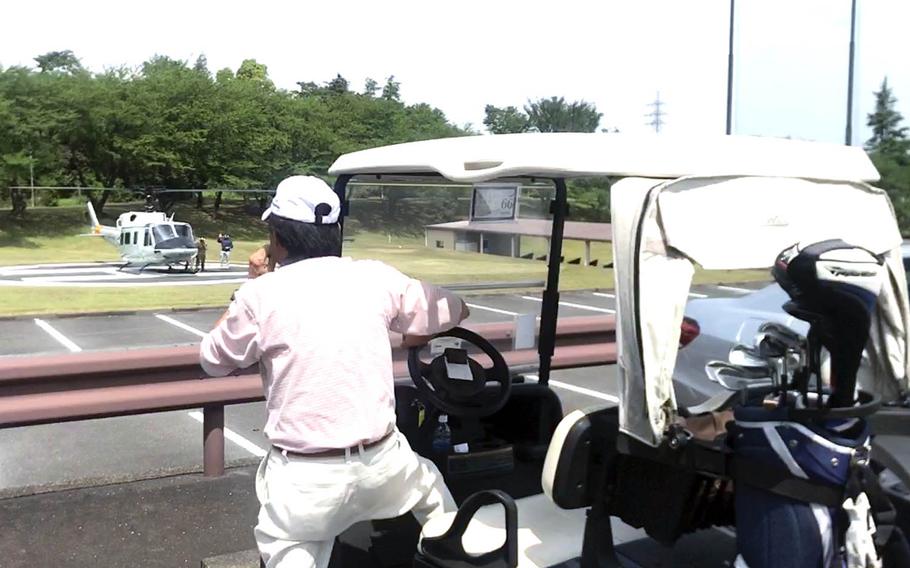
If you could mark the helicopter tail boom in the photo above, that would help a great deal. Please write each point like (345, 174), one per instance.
(96, 226)
(99, 230)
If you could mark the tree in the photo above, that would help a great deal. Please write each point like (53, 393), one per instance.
(888, 136)
(16, 167)
(201, 65)
(224, 75)
(171, 124)
(504, 120)
(392, 89)
(370, 87)
(63, 61)
(251, 70)
(338, 85)
(888, 148)
(307, 88)
(555, 115)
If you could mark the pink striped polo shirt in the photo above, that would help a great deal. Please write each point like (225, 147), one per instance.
(320, 330)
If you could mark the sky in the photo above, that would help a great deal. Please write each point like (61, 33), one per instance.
(790, 75)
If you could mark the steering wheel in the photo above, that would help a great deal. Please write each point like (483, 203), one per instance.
(461, 395)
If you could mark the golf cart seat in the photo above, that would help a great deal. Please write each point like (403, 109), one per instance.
(493, 530)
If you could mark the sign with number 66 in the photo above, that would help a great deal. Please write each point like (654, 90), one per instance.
(495, 201)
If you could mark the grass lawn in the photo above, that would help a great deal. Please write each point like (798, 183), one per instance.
(50, 235)
(46, 300)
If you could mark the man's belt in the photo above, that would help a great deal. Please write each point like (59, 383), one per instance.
(336, 452)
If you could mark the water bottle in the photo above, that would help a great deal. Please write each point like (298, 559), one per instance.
(442, 436)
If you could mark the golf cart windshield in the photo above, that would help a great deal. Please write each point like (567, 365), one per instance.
(723, 202)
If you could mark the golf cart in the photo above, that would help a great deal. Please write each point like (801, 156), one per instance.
(776, 461)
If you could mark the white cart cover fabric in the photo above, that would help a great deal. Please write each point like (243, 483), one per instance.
(660, 228)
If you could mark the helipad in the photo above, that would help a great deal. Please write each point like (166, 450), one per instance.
(110, 274)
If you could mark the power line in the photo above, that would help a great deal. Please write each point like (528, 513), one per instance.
(657, 114)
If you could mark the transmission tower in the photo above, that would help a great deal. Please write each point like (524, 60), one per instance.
(657, 114)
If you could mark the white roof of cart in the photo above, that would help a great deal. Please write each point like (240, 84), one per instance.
(482, 158)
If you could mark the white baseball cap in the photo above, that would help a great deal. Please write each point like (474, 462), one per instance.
(305, 198)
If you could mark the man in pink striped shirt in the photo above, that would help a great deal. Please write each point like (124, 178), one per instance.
(319, 328)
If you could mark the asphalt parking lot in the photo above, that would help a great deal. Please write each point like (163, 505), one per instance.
(103, 453)
(39, 458)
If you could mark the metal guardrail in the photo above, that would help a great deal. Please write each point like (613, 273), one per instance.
(467, 286)
(80, 386)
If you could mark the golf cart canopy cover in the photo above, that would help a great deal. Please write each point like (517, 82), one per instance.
(660, 228)
(722, 202)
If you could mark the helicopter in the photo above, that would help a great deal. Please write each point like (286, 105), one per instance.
(147, 238)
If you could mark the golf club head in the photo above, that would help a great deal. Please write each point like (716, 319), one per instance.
(735, 377)
(745, 356)
(774, 340)
(781, 333)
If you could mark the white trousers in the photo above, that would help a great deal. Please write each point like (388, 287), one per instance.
(306, 502)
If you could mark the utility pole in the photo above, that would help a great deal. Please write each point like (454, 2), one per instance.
(31, 177)
(656, 115)
(730, 74)
(848, 139)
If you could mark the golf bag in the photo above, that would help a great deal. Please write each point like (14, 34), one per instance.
(805, 494)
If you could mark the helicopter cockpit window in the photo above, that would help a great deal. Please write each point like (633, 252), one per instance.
(163, 232)
(184, 230)
(148, 239)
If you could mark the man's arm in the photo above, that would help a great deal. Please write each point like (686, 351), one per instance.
(259, 263)
(234, 343)
(423, 310)
(418, 340)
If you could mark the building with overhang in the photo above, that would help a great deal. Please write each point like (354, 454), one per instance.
(504, 237)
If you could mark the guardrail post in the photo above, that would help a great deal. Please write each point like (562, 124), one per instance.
(213, 440)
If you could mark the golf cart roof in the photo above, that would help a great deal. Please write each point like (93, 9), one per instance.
(482, 158)
(720, 202)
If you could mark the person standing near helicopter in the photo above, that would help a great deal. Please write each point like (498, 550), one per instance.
(319, 327)
(227, 245)
(201, 247)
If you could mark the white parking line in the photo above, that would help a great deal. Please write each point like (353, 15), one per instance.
(234, 437)
(97, 265)
(53, 271)
(571, 305)
(735, 289)
(489, 309)
(85, 278)
(613, 296)
(181, 325)
(64, 340)
(573, 388)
